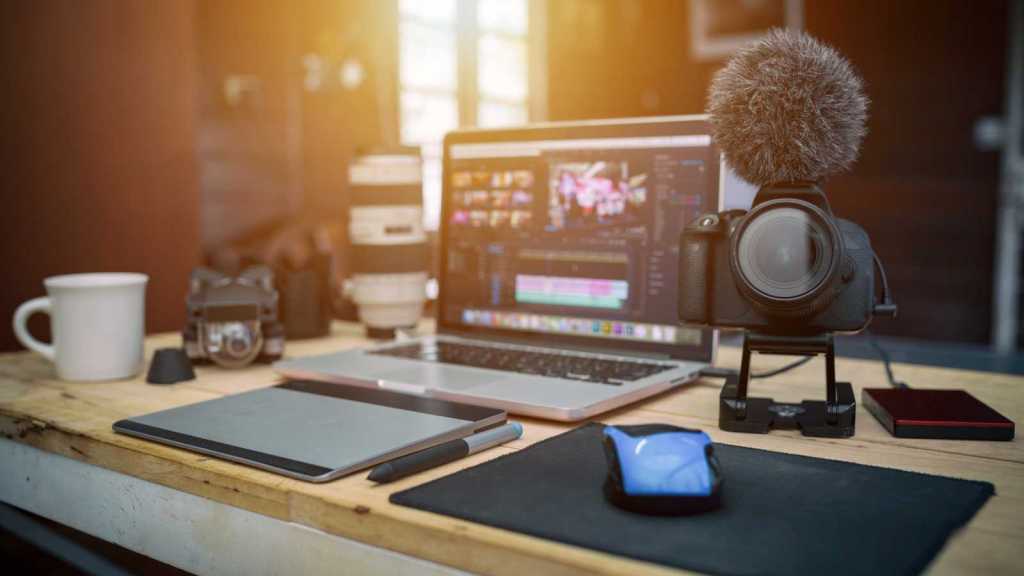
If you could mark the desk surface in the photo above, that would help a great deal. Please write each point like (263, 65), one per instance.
(74, 420)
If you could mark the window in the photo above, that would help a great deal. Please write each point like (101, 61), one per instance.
(461, 63)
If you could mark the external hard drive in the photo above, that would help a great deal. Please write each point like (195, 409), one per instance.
(936, 414)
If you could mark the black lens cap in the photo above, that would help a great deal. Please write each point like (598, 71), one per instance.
(170, 365)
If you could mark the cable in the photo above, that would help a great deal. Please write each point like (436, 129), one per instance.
(713, 372)
(886, 361)
(786, 368)
(886, 307)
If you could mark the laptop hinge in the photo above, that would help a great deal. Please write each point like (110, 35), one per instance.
(540, 343)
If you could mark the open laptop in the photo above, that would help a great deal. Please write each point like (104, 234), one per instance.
(559, 268)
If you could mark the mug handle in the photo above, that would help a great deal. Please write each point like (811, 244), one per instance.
(21, 316)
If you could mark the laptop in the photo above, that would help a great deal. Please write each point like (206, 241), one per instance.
(558, 271)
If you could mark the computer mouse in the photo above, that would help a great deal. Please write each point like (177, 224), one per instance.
(661, 469)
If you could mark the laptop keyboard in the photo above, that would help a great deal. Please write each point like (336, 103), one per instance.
(555, 365)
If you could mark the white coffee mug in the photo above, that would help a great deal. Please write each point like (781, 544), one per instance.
(97, 321)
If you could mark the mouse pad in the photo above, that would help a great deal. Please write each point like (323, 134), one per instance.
(781, 513)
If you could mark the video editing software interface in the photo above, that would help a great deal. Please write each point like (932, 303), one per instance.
(574, 236)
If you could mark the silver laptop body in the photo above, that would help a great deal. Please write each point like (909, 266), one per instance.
(559, 267)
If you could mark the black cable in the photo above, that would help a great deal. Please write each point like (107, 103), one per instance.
(713, 372)
(886, 307)
(886, 361)
(786, 368)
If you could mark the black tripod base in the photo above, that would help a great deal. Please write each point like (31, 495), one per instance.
(811, 417)
(833, 417)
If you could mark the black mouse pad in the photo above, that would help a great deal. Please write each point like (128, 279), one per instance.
(781, 513)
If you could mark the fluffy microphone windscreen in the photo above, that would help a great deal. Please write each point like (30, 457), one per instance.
(788, 109)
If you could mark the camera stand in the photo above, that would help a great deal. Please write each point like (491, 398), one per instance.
(833, 417)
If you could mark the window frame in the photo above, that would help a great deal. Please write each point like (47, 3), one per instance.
(467, 36)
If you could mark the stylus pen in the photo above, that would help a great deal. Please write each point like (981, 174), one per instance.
(444, 453)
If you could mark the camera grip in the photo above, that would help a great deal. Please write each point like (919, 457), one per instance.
(694, 260)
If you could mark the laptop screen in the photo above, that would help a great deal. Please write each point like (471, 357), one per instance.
(570, 232)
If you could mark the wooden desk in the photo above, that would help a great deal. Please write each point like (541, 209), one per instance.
(73, 420)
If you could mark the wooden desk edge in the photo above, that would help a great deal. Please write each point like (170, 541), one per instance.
(434, 537)
(355, 511)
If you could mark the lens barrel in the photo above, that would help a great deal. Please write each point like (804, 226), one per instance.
(389, 244)
(232, 344)
(786, 257)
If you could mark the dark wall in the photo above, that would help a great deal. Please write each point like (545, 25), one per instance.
(925, 195)
(338, 122)
(281, 152)
(248, 144)
(98, 155)
(103, 101)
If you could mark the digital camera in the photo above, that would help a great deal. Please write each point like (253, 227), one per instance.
(787, 267)
(233, 321)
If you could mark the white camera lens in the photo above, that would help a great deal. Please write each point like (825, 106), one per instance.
(389, 244)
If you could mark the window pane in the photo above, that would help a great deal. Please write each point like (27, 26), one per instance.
(501, 68)
(426, 117)
(507, 16)
(428, 10)
(427, 58)
(493, 114)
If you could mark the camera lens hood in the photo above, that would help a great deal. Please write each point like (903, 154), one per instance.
(814, 287)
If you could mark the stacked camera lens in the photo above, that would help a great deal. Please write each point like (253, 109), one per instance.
(389, 244)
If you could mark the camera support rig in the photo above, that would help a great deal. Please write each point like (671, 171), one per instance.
(834, 417)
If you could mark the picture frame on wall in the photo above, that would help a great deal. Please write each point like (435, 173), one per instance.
(718, 28)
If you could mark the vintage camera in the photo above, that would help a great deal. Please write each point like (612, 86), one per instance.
(788, 267)
(233, 321)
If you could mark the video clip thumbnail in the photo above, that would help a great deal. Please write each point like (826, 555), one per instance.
(594, 193)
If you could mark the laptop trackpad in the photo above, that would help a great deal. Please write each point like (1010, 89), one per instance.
(439, 377)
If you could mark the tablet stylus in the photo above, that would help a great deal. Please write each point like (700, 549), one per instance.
(444, 453)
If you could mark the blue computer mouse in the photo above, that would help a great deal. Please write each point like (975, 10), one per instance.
(661, 469)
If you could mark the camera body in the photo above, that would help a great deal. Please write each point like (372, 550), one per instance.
(233, 321)
(786, 267)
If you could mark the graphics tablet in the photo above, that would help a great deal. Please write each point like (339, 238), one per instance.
(313, 431)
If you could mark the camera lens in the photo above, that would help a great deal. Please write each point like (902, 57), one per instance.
(784, 254)
(239, 345)
(232, 344)
(389, 246)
